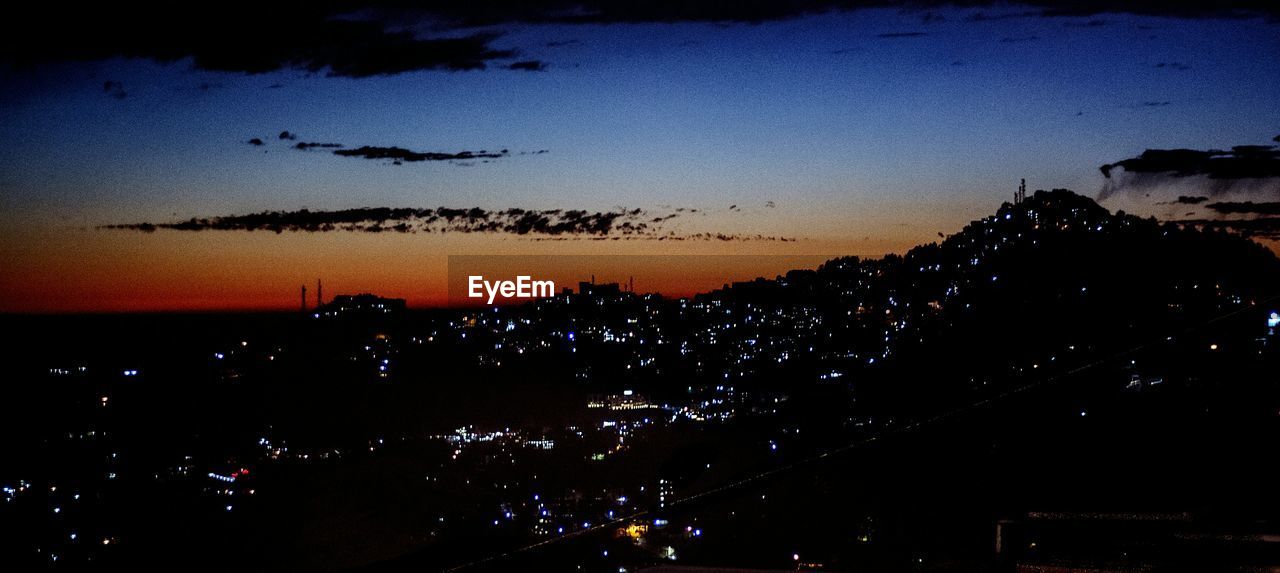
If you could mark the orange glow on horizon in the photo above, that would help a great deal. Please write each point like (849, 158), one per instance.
(59, 271)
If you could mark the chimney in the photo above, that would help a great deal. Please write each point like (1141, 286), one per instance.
(304, 299)
(319, 293)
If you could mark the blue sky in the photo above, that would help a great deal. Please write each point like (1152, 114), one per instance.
(854, 136)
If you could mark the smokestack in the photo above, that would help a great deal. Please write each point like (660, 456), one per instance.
(631, 284)
(319, 293)
(304, 299)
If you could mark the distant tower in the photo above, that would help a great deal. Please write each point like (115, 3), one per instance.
(319, 293)
(631, 284)
(1021, 195)
(304, 299)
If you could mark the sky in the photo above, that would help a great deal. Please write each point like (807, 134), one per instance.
(813, 129)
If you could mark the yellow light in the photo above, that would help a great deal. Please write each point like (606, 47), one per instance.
(636, 531)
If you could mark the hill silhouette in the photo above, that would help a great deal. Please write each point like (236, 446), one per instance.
(1053, 275)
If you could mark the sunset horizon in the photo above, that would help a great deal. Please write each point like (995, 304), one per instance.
(633, 286)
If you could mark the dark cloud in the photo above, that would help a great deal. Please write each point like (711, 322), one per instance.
(528, 66)
(1242, 161)
(720, 237)
(306, 145)
(1155, 103)
(393, 154)
(361, 39)
(1086, 24)
(1246, 207)
(551, 222)
(344, 39)
(1173, 66)
(617, 11)
(241, 37)
(1186, 200)
(1243, 168)
(1260, 228)
(902, 34)
(543, 225)
(729, 237)
(399, 154)
(560, 43)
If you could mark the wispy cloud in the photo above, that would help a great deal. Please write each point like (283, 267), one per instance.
(1185, 200)
(513, 221)
(306, 145)
(1260, 228)
(528, 66)
(537, 224)
(392, 154)
(400, 154)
